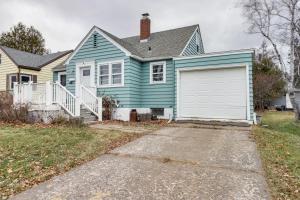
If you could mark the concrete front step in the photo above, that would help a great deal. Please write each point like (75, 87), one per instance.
(87, 115)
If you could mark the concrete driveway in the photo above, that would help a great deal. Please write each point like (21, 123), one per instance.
(172, 163)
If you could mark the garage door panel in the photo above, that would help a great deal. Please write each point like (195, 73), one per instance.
(213, 94)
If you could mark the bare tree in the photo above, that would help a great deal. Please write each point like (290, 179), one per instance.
(278, 22)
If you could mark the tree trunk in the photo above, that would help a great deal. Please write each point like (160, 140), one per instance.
(296, 106)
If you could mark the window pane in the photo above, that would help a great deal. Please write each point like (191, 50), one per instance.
(158, 77)
(103, 80)
(104, 69)
(63, 80)
(117, 79)
(158, 68)
(25, 79)
(86, 72)
(117, 68)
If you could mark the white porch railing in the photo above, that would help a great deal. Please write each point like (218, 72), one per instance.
(54, 93)
(66, 99)
(91, 101)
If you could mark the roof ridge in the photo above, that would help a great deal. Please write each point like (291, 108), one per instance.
(173, 29)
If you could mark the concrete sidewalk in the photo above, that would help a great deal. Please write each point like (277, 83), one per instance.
(172, 163)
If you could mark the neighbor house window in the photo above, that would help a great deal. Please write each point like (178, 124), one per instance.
(157, 72)
(12, 79)
(111, 74)
(25, 78)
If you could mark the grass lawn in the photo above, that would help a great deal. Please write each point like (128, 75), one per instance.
(279, 145)
(30, 154)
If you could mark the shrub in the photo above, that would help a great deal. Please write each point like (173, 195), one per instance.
(10, 112)
(72, 122)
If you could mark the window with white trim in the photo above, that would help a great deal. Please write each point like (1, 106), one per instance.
(110, 74)
(157, 72)
(25, 78)
(12, 79)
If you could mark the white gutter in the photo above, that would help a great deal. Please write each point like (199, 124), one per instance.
(212, 54)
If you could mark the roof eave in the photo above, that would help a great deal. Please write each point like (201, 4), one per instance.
(212, 54)
(28, 67)
(54, 59)
(151, 59)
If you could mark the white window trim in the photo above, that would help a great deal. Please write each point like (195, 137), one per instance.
(59, 74)
(10, 81)
(164, 63)
(109, 63)
(25, 75)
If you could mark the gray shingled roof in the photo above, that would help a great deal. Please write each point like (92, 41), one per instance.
(167, 43)
(29, 60)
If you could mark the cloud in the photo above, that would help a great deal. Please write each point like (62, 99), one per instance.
(65, 23)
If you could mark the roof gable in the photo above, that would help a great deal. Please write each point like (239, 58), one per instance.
(111, 38)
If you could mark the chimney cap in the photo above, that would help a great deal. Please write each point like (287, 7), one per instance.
(145, 14)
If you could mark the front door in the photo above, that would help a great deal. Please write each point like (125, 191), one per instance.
(85, 76)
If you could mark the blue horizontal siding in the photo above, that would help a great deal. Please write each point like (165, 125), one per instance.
(243, 58)
(55, 76)
(158, 95)
(105, 51)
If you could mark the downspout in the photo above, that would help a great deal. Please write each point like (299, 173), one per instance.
(19, 75)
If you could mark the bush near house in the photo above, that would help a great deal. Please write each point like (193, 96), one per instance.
(278, 141)
(30, 154)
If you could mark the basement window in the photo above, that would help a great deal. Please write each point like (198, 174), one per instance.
(158, 111)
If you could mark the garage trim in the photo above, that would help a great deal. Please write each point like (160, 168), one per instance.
(240, 65)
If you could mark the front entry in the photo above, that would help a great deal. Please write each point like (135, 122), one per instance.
(85, 76)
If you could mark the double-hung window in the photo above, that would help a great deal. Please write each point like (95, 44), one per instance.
(157, 72)
(111, 74)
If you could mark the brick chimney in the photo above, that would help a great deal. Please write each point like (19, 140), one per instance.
(145, 28)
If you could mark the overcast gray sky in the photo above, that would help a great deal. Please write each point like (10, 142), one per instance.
(64, 23)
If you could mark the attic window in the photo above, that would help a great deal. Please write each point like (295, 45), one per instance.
(95, 40)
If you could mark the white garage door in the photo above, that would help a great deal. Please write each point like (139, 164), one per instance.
(213, 94)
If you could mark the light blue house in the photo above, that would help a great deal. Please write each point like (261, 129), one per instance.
(166, 73)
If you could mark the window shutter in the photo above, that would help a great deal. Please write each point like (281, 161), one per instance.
(7, 82)
(34, 78)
